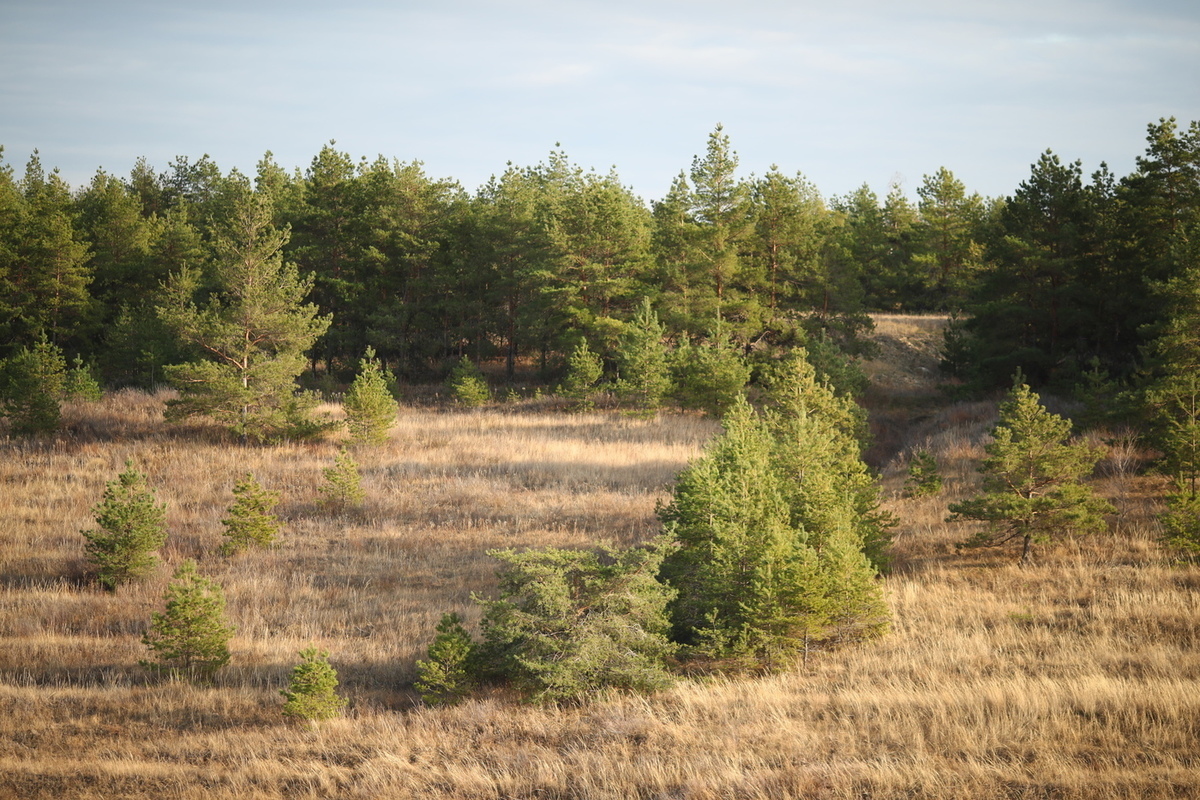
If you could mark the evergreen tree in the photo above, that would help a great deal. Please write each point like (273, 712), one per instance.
(467, 385)
(570, 622)
(923, 476)
(32, 385)
(253, 331)
(642, 361)
(709, 375)
(251, 521)
(131, 528)
(190, 638)
(343, 484)
(1032, 479)
(584, 369)
(447, 675)
(311, 692)
(749, 588)
(370, 407)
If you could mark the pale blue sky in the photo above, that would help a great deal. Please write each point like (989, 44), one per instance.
(864, 91)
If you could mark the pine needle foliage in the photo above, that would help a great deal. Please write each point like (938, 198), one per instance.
(448, 674)
(584, 369)
(32, 384)
(467, 386)
(642, 361)
(370, 407)
(251, 521)
(190, 638)
(343, 483)
(312, 691)
(131, 527)
(568, 623)
(923, 479)
(1033, 486)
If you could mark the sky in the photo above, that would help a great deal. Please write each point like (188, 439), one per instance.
(858, 92)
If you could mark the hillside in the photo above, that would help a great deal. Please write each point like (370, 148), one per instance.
(1075, 677)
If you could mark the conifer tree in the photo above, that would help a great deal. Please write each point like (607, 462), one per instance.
(467, 385)
(32, 384)
(253, 332)
(642, 361)
(447, 675)
(311, 692)
(923, 476)
(190, 638)
(584, 368)
(251, 521)
(343, 483)
(1033, 486)
(131, 528)
(370, 407)
(709, 375)
(570, 622)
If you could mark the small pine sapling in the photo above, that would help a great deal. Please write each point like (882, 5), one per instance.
(370, 407)
(31, 388)
(131, 526)
(80, 384)
(251, 521)
(584, 368)
(447, 675)
(467, 385)
(311, 693)
(924, 479)
(191, 637)
(343, 484)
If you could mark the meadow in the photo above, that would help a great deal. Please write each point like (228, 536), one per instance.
(1074, 677)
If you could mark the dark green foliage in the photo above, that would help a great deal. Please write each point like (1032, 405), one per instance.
(190, 638)
(1032, 479)
(311, 692)
(584, 369)
(131, 528)
(568, 623)
(32, 384)
(370, 407)
(709, 375)
(642, 361)
(343, 484)
(924, 479)
(467, 385)
(448, 674)
(1181, 520)
(251, 521)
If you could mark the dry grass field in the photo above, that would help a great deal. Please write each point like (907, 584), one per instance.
(1076, 677)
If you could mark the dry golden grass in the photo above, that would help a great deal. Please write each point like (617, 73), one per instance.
(1075, 677)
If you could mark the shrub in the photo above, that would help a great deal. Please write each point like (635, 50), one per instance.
(131, 527)
(251, 521)
(190, 638)
(311, 693)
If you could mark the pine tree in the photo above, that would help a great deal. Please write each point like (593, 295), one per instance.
(749, 589)
(923, 476)
(32, 385)
(131, 528)
(370, 407)
(311, 692)
(251, 521)
(191, 637)
(570, 622)
(709, 375)
(642, 361)
(343, 483)
(253, 331)
(1032, 479)
(447, 675)
(467, 385)
(584, 368)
